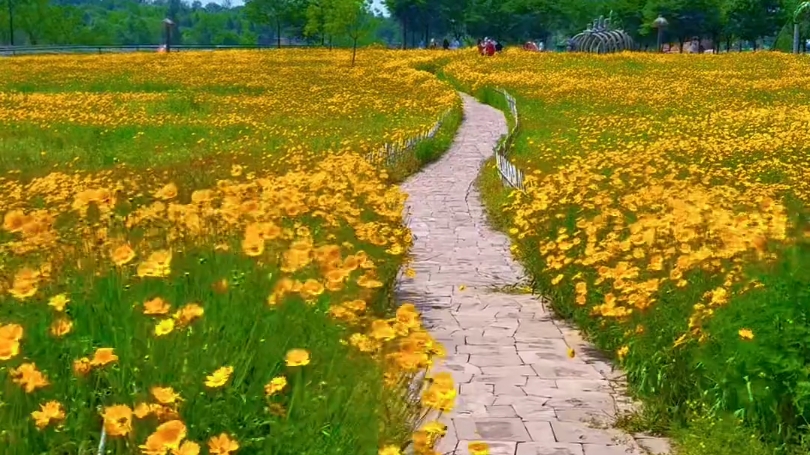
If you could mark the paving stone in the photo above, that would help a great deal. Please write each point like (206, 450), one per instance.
(540, 431)
(495, 360)
(494, 429)
(581, 433)
(546, 448)
(655, 446)
(550, 369)
(601, 449)
(495, 447)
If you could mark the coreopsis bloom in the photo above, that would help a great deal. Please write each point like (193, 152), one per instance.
(164, 327)
(165, 395)
(61, 327)
(219, 377)
(297, 358)
(167, 436)
(10, 336)
(156, 306)
(276, 385)
(117, 420)
(103, 356)
(29, 377)
(122, 255)
(222, 445)
(58, 302)
(51, 411)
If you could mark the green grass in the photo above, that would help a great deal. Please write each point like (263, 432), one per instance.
(722, 396)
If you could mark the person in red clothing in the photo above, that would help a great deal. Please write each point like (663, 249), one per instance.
(489, 48)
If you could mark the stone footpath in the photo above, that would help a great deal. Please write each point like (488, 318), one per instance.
(518, 389)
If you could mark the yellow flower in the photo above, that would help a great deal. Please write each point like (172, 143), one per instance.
(165, 395)
(167, 192)
(156, 306)
(410, 273)
(10, 335)
(297, 358)
(746, 334)
(50, 411)
(103, 356)
(122, 255)
(82, 366)
(167, 436)
(622, 352)
(461, 287)
(188, 448)
(29, 377)
(222, 445)
(117, 420)
(58, 302)
(390, 450)
(571, 353)
(164, 327)
(478, 448)
(275, 385)
(219, 377)
(61, 327)
(188, 314)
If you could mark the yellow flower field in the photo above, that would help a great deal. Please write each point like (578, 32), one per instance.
(195, 257)
(665, 204)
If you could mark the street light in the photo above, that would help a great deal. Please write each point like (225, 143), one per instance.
(168, 24)
(660, 23)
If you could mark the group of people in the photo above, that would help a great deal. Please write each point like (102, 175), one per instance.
(489, 47)
(446, 44)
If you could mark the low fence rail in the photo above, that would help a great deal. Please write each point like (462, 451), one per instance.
(510, 174)
(38, 50)
(392, 153)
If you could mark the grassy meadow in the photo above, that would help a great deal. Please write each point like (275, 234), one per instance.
(196, 258)
(666, 213)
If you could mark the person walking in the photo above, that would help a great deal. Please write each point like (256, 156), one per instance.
(446, 44)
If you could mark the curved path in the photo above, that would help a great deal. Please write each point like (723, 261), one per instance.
(518, 389)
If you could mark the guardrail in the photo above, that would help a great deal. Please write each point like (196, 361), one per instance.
(99, 49)
(391, 153)
(510, 174)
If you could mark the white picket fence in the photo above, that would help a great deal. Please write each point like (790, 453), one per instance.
(510, 174)
(392, 153)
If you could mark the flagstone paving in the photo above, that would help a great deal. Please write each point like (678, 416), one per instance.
(518, 389)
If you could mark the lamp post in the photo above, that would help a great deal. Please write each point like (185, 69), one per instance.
(660, 23)
(168, 24)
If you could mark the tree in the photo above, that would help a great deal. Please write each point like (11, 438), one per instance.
(351, 18)
(276, 13)
(751, 20)
(687, 18)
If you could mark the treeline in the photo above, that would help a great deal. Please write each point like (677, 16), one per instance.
(412, 22)
(133, 22)
(722, 21)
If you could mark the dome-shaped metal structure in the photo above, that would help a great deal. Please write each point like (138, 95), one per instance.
(600, 38)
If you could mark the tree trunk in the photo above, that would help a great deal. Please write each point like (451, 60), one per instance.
(728, 43)
(739, 46)
(681, 40)
(278, 34)
(354, 49)
(754, 45)
(10, 23)
(404, 33)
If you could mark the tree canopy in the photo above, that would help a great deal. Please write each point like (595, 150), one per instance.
(353, 23)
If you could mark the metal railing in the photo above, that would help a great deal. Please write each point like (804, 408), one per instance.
(125, 48)
(510, 174)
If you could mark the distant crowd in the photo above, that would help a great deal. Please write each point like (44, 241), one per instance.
(486, 46)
